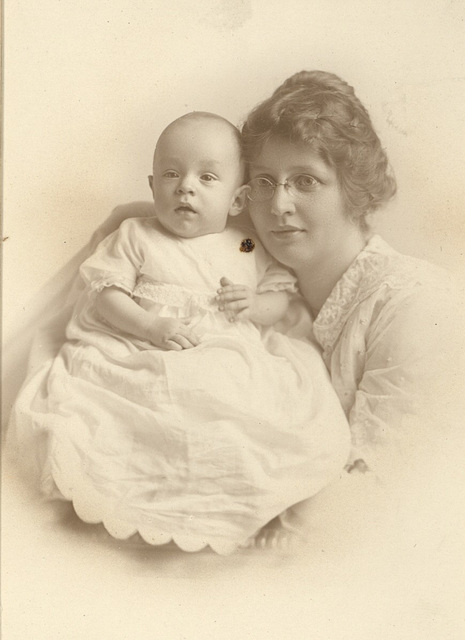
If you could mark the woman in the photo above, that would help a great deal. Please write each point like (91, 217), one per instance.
(317, 171)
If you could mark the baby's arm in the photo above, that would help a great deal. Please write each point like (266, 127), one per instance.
(240, 302)
(122, 312)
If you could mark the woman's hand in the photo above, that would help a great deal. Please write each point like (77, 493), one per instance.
(236, 300)
(171, 334)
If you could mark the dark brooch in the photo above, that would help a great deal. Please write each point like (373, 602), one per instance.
(247, 245)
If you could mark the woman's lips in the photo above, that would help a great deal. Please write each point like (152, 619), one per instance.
(286, 233)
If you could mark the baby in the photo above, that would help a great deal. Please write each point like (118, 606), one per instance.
(197, 182)
(175, 409)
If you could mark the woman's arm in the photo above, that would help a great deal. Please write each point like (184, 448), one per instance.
(122, 312)
(240, 302)
(403, 399)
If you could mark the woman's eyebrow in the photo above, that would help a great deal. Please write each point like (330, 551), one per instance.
(257, 167)
(291, 170)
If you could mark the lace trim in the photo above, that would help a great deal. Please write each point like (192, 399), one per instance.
(172, 295)
(110, 281)
(376, 266)
(277, 286)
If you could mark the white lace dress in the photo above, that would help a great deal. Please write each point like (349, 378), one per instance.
(202, 446)
(387, 339)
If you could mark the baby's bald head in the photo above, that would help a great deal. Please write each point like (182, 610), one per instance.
(202, 122)
(198, 175)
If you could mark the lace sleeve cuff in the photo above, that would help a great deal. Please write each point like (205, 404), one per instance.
(277, 286)
(111, 281)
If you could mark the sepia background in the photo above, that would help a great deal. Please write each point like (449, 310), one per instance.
(88, 88)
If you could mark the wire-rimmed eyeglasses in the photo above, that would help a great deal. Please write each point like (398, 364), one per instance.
(262, 189)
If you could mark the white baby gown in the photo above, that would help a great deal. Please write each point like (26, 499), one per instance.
(202, 446)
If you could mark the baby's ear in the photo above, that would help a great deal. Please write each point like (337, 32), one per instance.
(239, 200)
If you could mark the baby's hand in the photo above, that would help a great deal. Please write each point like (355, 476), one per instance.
(172, 334)
(236, 300)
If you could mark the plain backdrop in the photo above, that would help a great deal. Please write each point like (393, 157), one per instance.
(88, 88)
(90, 85)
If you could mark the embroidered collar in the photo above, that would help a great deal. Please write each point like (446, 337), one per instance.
(377, 265)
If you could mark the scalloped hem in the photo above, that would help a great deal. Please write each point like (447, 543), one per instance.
(91, 513)
(120, 530)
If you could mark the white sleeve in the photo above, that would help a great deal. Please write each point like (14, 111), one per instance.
(402, 399)
(277, 278)
(116, 261)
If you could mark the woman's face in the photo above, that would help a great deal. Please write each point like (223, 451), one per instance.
(301, 230)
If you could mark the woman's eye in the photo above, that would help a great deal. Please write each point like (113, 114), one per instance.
(207, 177)
(263, 182)
(304, 182)
(171, 174)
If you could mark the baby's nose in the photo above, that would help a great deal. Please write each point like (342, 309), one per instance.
(186, 185)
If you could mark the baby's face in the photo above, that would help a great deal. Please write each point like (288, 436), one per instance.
(196, 176)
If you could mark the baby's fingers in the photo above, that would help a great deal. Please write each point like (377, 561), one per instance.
(178, 342)
(230, 295)
(187, 332)
(225, 282)
(189, 336)
(238, 310)
(226, 299)
(172, 344)
(184, 338)
(236, 306)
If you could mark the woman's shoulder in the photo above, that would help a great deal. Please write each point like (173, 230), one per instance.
(381, 266)
(383, 282)
(403, 283)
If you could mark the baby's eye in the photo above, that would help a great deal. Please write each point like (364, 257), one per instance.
(304, 182)
(208, 177)
(171, 174)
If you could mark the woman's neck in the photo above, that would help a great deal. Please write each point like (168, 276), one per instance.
(316, 281)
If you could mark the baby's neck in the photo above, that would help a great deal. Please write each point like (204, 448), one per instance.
(170, 233)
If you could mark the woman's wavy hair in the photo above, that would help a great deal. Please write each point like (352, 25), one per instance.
(321, 110)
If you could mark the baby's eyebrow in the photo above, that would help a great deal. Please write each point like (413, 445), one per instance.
(211, 162)
(205, 162)
(169, 159)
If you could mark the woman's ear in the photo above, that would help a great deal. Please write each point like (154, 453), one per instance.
(239, 200)
(151, 183)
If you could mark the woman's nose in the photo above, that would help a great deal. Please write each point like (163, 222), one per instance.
(281, 202)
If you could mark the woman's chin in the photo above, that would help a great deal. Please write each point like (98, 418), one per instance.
(287, 246)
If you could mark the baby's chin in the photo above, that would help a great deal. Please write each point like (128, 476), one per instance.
(189, 229)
